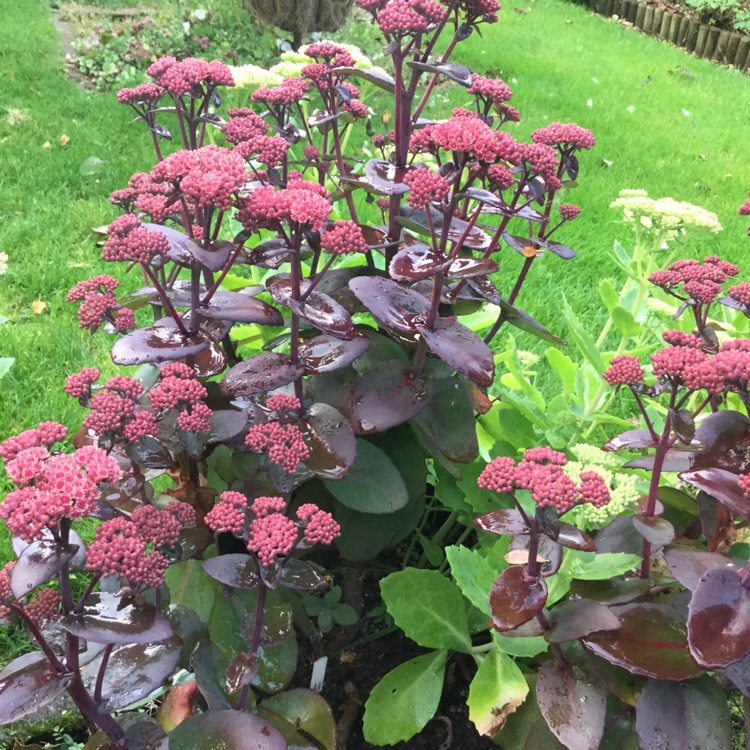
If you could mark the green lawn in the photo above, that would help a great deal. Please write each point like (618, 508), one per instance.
(686, 138)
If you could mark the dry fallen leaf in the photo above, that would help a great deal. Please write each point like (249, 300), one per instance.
(530, 252)
(46, 144)
(521, 557)
(38, 306)
(64, 139)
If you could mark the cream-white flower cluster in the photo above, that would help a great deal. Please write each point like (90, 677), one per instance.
(622, 487)
(663, 216)
(253, 76)
(292, 62)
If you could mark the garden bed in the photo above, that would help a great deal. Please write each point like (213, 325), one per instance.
(672, 24)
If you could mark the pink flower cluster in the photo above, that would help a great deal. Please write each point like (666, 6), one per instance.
(564, 135)
(466, 133)
(289, 91)
(191, 75)
(52, 487)
(342, 237)
(700, 281)
(45, 607)
(130, 241)
(147, 94)
(98, 304)
(624, 369)
(569, 211)
(178, 389)
(282, 402)
(331, 53)
(426, 187)
(284, 444)
(270, 533)
(208, 176)
(301, 202)
(541, 472)
(493, 90)
(46, 434)
(404, 17)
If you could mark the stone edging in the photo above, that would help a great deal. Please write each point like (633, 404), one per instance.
(724, 47)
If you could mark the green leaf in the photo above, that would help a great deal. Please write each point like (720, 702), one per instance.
(447, 422)
(405, 699)
(625, 323)
(374, 484)
(609, 295)
(596, 566)
(582, 339)
(433, 552)
(428, 608)
(306, 710)
(474, 575)
(345, 615)
(192, 587)
(497, 690)
(523, 647)
(564, 367)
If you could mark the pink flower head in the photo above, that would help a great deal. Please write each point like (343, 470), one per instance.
(703, 291)
(624, 370)
(125, 386)
(284, 444)
(173, 392)
(549, 485)
(545, 456)
(678, 362)
(244, 126)
(270, 150)
(564, 135)
(541, 160)
(195, 419)
(109, 412)
(47, 433)
(181, 77)
(569, 211)
(45, 608)
(118, 550)
(225, 517)
(743, 480)
(79, 384)
(664, 279)
(426, 187)
(680, 338)
(235, 498)
(740, 292)
(343, 237)
(485, 10)
(208, 176)
(177, 370)
(468, 135)
(282, 402)
(143, 423)
(158, 526)
(594, 489)
(147, 94)
(321, 528)
(129, 240)
(306, 511)
(264, 506)
(329, 52)
(27, 465)
(401, 17)
(493, 90)
(499, 475)
(500, 177)
(271, 536)
(356, 108)
(124, 320)
(100, 284)
(288, 92)
(95, 309)
(312, 153)
(183, 512)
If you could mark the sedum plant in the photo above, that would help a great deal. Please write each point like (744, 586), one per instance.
(302, 366)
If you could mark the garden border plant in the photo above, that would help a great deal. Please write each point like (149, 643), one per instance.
(278, 410)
